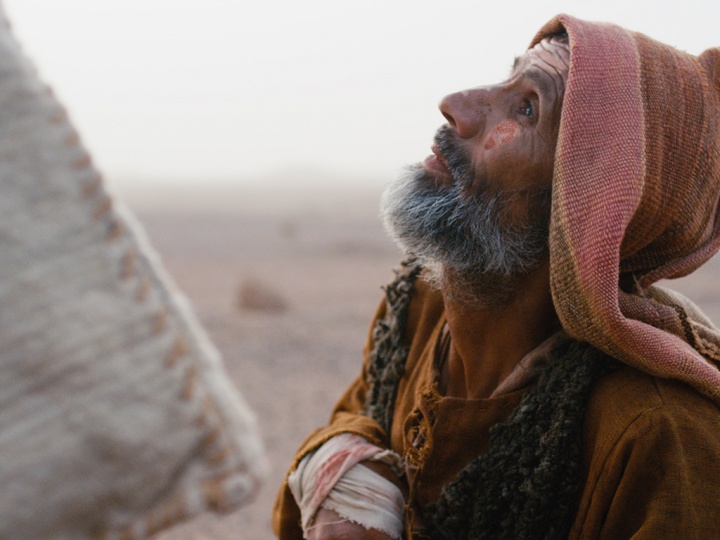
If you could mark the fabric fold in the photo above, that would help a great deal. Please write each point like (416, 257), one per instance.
(635, 198)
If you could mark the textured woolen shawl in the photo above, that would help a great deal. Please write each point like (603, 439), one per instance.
(635, 198)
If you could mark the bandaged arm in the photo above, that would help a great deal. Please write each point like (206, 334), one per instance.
(333, 477)
(347, 417)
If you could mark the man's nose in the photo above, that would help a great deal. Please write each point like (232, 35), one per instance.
(466, 111)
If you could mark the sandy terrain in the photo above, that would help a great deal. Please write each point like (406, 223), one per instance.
(285, 281)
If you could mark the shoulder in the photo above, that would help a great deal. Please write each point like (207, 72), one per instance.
(651, 462)
(627, 397)
(635, 422)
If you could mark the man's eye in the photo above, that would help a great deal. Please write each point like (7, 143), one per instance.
(526, 109)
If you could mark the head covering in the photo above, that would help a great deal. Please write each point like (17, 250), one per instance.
(635, 198)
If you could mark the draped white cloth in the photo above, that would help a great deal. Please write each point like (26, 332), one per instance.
(116, 415)
(332, 477)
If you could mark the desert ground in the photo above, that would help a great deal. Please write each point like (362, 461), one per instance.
(285, 279)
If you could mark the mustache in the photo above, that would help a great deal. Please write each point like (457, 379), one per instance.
(453, 156)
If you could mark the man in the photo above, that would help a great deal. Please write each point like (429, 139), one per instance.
(524, 378)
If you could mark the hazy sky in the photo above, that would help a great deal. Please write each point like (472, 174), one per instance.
(240, 90)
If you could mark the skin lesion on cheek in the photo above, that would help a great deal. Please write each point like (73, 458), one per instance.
(503, 133)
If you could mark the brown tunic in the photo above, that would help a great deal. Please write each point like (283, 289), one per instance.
(651, 446)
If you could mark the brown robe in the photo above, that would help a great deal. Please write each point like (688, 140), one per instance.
(651, 446)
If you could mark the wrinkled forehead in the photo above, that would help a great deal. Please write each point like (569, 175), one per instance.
(551, 54)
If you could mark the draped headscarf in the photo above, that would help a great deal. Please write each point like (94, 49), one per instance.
(635, 198)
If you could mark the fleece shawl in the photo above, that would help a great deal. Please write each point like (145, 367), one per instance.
(635, 198)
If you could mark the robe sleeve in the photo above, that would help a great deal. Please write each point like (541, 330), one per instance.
(346, 418)
(655, 473)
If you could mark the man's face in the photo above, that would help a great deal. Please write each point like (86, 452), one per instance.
(480, 203)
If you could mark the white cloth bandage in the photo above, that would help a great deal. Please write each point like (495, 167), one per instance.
(366, 498)
(332, 478)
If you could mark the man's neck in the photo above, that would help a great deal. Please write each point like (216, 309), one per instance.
(489, 340)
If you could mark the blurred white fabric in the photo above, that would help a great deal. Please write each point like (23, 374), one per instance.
(116, 415)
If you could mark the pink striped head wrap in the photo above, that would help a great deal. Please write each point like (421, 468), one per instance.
(635, 198)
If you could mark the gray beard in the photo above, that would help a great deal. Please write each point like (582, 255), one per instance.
(464, 240)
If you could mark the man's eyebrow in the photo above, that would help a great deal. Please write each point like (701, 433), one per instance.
(541, 80)
(534, 74)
